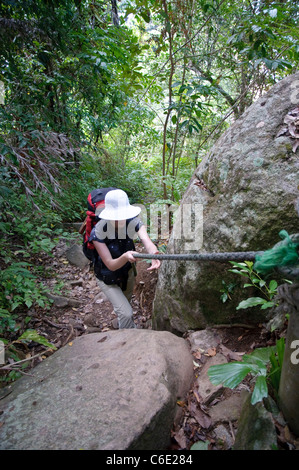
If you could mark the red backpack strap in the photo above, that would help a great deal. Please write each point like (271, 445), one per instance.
(90, 204)
(90, 222)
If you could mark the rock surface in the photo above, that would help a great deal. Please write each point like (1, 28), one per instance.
(256, 428)
(114, 390)
(75, 256)
(247, 185)
(207, 391)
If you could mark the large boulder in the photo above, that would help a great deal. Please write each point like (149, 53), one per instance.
(115, 390)
(247, 185)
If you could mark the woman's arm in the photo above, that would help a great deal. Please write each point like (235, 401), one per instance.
(149, 246)
(113, 264)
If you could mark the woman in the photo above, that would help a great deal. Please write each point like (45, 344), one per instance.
(113, 240)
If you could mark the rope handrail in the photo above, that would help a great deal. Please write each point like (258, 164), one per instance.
(284, 256)
(225, 256)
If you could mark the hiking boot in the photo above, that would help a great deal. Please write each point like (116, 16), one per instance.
(115, 323)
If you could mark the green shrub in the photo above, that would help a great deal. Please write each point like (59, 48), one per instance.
(19, 286)
(264, 364)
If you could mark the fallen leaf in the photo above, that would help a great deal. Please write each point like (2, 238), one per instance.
(181, 438)
(196, 396)
(202, 418)
(197, 355)
(181, 403)
(211, 352)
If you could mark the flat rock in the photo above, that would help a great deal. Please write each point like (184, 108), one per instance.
(62, 301)
(76, 257)
(224, 439)
(207, 391)
(203, 340)
(228, 409)
(112, 390)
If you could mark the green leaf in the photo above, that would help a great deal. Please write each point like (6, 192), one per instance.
(197, 124)
(146, 16)
(280, 346)
(231, 374)
(251, 302)
(273, 285)
(15, 305)
(260, 390)
(200, 445)
(224, 297)
(28, 303)
(249, 263)
(267, 305)
(239, 265)
(32, 335)
(238, 272)
(261, 355)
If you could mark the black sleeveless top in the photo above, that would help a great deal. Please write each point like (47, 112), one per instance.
(118, 242)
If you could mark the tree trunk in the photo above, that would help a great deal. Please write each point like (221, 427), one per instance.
(289, 381)
(114, 12)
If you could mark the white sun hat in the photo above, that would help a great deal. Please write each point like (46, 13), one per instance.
(117, 206)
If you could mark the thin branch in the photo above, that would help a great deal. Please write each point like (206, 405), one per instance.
(11, 366)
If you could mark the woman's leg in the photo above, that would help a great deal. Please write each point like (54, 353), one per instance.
(130, 285)
(120, 301)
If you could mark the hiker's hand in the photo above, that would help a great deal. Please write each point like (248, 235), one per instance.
(155, 265)
(129, 255)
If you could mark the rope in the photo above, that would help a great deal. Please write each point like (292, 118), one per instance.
(226, 256)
